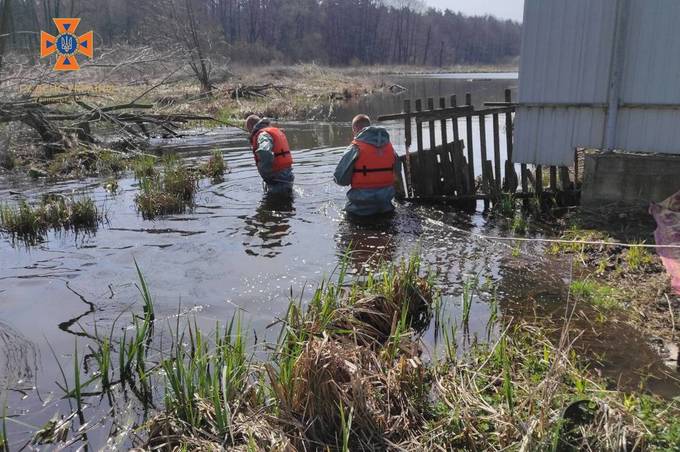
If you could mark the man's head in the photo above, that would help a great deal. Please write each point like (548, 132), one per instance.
(360, 122)
(251, 122)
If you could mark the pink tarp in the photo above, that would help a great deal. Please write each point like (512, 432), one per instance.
(667, 216)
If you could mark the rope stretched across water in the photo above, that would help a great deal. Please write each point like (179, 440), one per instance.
(559, 241)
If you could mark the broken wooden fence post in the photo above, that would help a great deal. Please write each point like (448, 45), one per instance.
(497, 152)
(470, 146)
(456, 133)
(408, 139)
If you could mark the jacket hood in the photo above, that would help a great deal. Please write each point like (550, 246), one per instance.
(263, 124)
(373, 135)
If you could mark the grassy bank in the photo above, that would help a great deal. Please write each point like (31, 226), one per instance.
(630, 279)
(349, 372)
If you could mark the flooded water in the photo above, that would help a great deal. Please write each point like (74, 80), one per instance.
(240, 251)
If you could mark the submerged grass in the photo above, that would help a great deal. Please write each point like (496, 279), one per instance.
(30, 223)
(215, 167)
(168, 192)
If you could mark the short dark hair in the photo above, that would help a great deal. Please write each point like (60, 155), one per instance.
(251, 121)
(361, 122)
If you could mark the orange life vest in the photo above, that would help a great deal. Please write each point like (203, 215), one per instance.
(283, 159)
(375, 166)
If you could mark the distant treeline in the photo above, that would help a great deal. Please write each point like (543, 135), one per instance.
(335, 32)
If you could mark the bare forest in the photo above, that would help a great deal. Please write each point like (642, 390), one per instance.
(328, 32)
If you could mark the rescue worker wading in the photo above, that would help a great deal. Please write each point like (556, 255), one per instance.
(369, 166)
(272, 155)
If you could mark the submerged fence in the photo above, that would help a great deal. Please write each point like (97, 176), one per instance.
(447, 171)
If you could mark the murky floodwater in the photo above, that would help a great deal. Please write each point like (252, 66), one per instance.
(239, 250)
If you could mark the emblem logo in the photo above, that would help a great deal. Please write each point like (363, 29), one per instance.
(67, 45)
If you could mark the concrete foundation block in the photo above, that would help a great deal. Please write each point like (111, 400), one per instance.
(630, 179)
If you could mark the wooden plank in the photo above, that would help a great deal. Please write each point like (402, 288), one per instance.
(565, 180)
(486, 176)
(432, 178)
(448, 169)
(461, 171)
(497, 152)
(419, 126)
(436, 115)
(539, 179)
(576, 169)
(433, 137)
(525, 184)
(553, 178)
(418, 161)
(489, 186)
(444, 131)
(509, 126)
(456, 132)
(407, 123)
(510, 176)
(408, 137)
(469, 144)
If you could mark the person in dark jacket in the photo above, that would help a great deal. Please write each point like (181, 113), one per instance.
(272, 154)
(368, 166)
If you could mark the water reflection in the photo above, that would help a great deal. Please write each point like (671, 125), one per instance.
(266, 231)
(367, 241)
(18, 358)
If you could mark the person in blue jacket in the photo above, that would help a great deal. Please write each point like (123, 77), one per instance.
(272, 154)
(369, 166)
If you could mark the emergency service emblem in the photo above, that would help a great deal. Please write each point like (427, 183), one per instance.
(67, 45)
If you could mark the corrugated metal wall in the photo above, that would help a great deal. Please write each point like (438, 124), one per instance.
(565, 72)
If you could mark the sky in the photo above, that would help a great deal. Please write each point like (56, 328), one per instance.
(504, 9)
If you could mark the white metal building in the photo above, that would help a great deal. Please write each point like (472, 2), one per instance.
(598, 74)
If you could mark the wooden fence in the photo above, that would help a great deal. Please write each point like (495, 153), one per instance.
(447, 171)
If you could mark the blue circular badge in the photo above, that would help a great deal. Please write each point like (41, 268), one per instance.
(67, 44)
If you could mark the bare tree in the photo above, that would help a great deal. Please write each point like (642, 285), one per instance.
(5, 17)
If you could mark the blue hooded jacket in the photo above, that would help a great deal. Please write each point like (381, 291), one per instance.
(365, 201)
(281, 181)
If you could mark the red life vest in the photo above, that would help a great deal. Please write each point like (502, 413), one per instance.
(375, 166)
(283, 159)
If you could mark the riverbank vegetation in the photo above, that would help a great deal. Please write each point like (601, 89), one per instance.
(350, 371)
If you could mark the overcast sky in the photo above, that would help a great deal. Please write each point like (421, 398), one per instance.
(505, 9)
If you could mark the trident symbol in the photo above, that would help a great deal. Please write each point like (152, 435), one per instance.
(66, 45)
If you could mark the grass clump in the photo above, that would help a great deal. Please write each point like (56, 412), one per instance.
(215, 167)
(638, 258)
(31, 223)
(598, 294)
(144, 166)
(170, 192)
